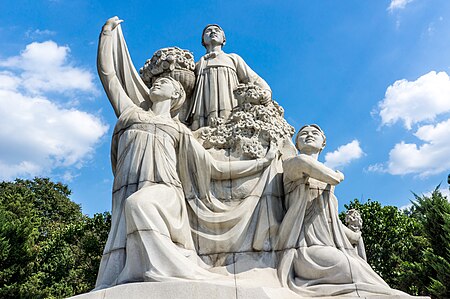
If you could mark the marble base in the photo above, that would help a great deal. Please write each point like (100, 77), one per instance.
(201, 290)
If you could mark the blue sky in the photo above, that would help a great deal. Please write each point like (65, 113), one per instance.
(372, 74)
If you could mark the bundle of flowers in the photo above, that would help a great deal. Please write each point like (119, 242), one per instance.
(249, 130)
(166, 61)
(250, 93)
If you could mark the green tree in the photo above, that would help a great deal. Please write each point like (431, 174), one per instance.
(433, 214)
(393, 242)
(48, 248)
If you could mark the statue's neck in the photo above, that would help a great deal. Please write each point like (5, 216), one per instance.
(314, 155)
(214, 48)
(162, 108)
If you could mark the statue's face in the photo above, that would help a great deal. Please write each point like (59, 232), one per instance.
(310, 140)
(162, 89)
(213, 35)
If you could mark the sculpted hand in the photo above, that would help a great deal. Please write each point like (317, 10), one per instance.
(340, 175)
(271, 153)
(354, 237)
(267, 97)
(112, 23)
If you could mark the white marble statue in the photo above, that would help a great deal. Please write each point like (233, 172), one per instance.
(229, 208)
(154, 158)
(318, 257)
(218, 75)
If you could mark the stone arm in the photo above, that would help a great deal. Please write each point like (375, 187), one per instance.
(352, 236)
(107, 72)
(226, 170)
(221, 170)
(297, 167)
(356, 239)
(246, 75)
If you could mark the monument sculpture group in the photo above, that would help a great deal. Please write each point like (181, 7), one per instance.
(209, 187)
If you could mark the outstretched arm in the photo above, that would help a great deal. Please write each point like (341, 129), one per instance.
(247, 75)
(106, 70)
(226, 170)
(296, 167)
(236, 169)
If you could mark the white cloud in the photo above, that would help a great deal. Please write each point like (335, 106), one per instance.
(37, 135)
(39, 33)
(344, 155)
(416, 101)
(8, 81)
(377, 167)
(43, 67)
(429, 158)
(398, 4)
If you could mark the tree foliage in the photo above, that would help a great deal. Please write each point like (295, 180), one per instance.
(409, 249)
(392, 241)
(48, 248)
(433, 213)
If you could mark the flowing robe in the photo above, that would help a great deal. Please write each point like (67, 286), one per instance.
(318, 259)
(146, 242)
(150, 237)
(217, 78)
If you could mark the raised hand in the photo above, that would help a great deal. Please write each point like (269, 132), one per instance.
(112, 23)
(272, 152)
(340, 175)
(267, 97)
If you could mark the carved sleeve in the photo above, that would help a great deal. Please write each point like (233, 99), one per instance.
(226, 170)
(107, 73)
(221, 170)
(296, 167)
(246, 75)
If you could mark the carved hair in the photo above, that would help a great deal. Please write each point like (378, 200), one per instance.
(313, 126)
(215, 25)
(353, 220)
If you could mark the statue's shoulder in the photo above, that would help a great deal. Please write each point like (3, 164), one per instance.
(182, 128)
(238, 61)
(235, 57)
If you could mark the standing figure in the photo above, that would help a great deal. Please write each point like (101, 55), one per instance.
(318, 257)
(218, 75)
(150, 237)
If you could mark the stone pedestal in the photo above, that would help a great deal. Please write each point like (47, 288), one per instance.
(202, 290)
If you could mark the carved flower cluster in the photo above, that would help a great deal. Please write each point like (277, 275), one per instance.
(165, 61)
(249, 93)
(250, 129)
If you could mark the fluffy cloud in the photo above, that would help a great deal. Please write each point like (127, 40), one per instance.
(43, 67)
(398, 4)
(344, 155)
(431, 157)
(416, 101)
(39, 136)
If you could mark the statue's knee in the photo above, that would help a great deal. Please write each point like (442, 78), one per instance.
(132, 203)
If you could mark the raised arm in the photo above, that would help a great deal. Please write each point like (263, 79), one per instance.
(247, 75)
(301, 165)
(106, 70)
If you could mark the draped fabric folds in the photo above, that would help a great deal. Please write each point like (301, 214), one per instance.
(173, 220)
(318, 259)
